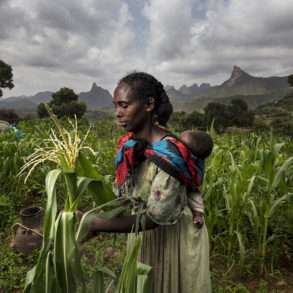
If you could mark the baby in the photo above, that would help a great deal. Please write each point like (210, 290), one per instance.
(201, 146)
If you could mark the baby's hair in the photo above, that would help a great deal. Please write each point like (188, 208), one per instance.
(145, 86)
(200, 142)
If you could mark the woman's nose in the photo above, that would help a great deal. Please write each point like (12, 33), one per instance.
(118, 112)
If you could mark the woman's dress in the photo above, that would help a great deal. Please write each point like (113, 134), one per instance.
(177, 251)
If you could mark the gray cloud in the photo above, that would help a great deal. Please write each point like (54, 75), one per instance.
(179, 41)
(87, 38)
(11, 19)
(169, 29)
(257, 35)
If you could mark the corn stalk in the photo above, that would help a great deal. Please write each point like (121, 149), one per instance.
(272, 192)
(247, 183)
(58, 268)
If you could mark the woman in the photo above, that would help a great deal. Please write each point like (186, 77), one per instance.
(177, 250)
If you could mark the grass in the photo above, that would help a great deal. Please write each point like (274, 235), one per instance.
(247, 191)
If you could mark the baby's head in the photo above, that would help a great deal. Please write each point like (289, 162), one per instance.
(199, 142)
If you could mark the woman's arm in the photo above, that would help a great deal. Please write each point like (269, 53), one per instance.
(125, 224)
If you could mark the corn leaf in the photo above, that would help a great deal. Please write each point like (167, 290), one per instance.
(100, 190)
(281, 171)
(66, 257)
(128, 278)
(241, 246)
(29, 280)
(71, 188)
(50, 280)
(143, 278)
(278, 202)
(85, 168)
(51, 207)
(35, 281)
(114, 208)
(99, 279)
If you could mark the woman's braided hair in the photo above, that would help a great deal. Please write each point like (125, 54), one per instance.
(144, 86)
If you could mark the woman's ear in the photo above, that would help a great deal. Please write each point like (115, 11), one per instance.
(150, 104)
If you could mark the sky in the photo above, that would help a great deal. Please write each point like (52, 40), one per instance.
(73, 43)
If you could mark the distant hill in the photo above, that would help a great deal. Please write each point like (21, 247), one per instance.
(254, 90)
(96, 99)
(253, 101)
(284, 105)
(41, 97)
(286, 102)
(21, 104)
(187, 94)
(277, 115)
(242, 83)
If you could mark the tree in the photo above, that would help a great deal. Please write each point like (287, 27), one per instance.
(64, 96)
(178, 120)
(5, 77)
(283, 126)
(220, 114)
(64, 103)
(240, 114)
(42, 112)
(195, 119)
(239, 105)
(237, 113)
(9, 115)
(70, 109)
(290, 79)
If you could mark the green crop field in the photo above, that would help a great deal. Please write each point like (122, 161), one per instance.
(248, 194)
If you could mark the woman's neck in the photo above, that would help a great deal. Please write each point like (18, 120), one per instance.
(151, 133)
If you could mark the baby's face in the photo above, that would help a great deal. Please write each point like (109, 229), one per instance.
(186, 138)
(189, 141)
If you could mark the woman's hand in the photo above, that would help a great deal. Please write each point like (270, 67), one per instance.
(91, 225)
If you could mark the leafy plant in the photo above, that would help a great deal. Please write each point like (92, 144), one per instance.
(248, 181)
(59, 268)
(59, 265)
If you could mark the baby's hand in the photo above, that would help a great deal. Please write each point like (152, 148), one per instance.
(198, 219)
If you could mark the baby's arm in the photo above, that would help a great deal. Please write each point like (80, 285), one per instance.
(195, 202)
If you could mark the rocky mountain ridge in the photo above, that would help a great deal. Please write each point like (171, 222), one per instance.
(239, 83)
(255, 90)
(96, 98)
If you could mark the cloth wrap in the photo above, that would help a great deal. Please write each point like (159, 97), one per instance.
(170, 154)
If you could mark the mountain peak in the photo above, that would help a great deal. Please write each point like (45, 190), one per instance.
(237, 71)
(94, 86)
(236, 75)
(97, 97)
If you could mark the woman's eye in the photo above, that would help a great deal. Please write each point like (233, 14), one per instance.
(123, 105)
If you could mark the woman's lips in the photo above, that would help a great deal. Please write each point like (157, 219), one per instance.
(122, 123)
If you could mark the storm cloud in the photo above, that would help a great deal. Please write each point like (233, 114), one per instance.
(74, 43)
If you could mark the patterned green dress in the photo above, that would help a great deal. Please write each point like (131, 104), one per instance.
(177, 251)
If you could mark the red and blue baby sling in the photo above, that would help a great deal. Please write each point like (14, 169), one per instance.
(170, 154)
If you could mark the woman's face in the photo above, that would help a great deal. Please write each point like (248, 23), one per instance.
(133, 114)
